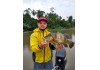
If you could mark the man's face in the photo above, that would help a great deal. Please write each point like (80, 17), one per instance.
(42, 25)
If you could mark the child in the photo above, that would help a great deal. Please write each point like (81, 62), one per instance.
(60, 57)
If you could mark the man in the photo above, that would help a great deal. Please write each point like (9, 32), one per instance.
(42, 52)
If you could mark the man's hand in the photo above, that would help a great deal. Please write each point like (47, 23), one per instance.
(43, 44)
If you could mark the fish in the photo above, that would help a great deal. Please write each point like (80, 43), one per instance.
(59, 38)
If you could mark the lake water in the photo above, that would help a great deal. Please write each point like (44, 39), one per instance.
(27, 54)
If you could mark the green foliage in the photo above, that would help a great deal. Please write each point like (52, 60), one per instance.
(40, 13)
(29, 23)
(54, 20)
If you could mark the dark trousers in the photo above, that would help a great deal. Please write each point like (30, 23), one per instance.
(61, 62)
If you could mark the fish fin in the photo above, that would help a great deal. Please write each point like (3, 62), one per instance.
(65, 45)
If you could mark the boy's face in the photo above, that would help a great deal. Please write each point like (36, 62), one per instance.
(42, 25)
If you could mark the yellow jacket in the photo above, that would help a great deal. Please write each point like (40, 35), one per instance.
(42, 55)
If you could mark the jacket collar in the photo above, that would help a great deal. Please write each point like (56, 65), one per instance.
(38, 30)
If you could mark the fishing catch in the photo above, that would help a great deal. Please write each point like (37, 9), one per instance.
(59, 38)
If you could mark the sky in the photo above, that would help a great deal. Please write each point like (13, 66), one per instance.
(63, 8)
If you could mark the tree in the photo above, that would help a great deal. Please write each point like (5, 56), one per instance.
(54, 20)
(40, 13)
(29, 23)
(70, 20)
(26, 21)
(52, 9)
(33, 12)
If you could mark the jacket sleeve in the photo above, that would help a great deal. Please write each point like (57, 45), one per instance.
(34, 43)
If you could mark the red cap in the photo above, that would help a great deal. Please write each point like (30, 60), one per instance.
(42, 19)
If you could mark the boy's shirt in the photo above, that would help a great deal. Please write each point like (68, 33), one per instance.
(61, 52)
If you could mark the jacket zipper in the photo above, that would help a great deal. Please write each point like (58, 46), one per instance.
(44, 49)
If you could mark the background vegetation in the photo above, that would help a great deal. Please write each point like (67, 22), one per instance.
(54, 20)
